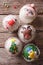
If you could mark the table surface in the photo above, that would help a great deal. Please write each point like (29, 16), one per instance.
(13, 8)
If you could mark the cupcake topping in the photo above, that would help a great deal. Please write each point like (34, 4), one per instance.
(30, 52)
(29, 12)
(11, 22)
(33, 6)
(32, 55)
(27, 32)
(13, 47)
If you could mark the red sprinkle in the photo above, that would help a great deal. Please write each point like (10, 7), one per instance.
(15, 7)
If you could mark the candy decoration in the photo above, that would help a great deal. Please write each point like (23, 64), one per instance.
(12, 40)
(26, 33)
(6, 5)
(31, 52)
(11, 23)
(15, 7)
(13, 48)
(13, 45)
(33, 6)
(32, 55)
(27, 13)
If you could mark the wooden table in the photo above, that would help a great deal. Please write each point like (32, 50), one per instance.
(13, 8)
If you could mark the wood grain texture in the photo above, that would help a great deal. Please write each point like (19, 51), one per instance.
(19, 3)
(37, 23)
(38, 40)
(5, 57)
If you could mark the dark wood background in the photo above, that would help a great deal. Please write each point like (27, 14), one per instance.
(5, 58)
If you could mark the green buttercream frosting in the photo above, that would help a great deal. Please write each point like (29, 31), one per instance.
(13, 48)
(27, 48)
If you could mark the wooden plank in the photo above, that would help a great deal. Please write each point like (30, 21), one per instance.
(4, 37)
(38, 22)
(14, 6)
(38, 40)
(6, 59)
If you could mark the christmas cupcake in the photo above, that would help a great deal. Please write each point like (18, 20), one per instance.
(27, 13)
(31, 52)
(26, 33)
(11, 23)
(13, 45)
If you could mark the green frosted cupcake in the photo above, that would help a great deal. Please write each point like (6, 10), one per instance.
(31, 52)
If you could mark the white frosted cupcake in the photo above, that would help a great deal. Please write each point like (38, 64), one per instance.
(11, 23)
(26, 33)
(31, 52)
(27, 13)
(13, 45)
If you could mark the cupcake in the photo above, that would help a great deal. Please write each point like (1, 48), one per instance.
(31, 52)
(27, 13)
(13, 45)
(26, 33)
(11, 23)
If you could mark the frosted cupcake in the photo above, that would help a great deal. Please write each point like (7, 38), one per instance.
(26, 33)
(13, 45)
(31, 52)
(27, 13)
(10, 23)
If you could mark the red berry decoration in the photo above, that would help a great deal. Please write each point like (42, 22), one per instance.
(11, 22)
(15, 7)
